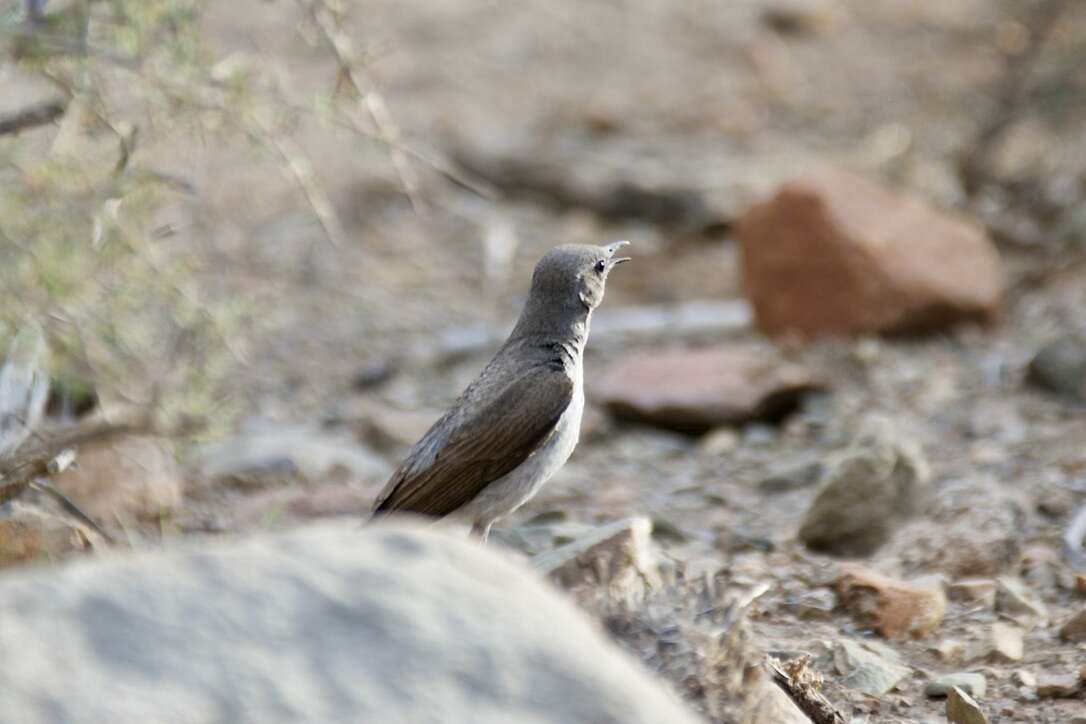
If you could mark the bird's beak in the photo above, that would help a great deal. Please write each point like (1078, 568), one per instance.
(612, 248)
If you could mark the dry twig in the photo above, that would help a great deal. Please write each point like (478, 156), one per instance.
(801, 685)
(301, 169)
(370, 101)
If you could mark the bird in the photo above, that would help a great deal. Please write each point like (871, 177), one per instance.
(518, 422)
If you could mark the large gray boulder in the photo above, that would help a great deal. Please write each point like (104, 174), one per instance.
(388, 624)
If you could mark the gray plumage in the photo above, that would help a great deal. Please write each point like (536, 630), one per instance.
(518, 422)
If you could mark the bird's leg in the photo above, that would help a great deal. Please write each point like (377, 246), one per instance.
(483, 531)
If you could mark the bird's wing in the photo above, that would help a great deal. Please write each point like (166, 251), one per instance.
(474, 445)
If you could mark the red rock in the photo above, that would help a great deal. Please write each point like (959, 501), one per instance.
(833, 253)
(897, 609)
(697, 390)
(29, 534)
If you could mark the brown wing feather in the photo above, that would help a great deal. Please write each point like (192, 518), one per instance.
(470, 448)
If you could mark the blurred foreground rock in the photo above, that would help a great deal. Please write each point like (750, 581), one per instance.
(867, 491)
(833, 253)
(694, 390)
(387, 624)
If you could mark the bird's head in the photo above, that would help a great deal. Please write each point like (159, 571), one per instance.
(576, 273)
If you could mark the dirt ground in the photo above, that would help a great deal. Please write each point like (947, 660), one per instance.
(701, 95)
(705, 96)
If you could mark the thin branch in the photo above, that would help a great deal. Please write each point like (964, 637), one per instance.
(369, 99)
(301, 169)
(30, 473)
(70, 508)
(32, 116)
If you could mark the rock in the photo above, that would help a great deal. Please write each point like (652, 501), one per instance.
(1025, 678)
(950, 650)
(1058, 686)
(1060, 367)
(772, 706)
(961, 709)
(718, 442)
(896, 609)
(974, 685)
(833, 253)
(973, 590)
(1075, 628)
(1013, 597)
(1007, 643)
(310, 453)
(695, 390)
(867, 490)
(130, 477)
(869, 669)
(391, 623)
(618, 556)
(29, 534)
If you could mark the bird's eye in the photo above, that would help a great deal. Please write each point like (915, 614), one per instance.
(600, 266)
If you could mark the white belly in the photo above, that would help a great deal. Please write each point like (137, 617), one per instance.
(516, 487)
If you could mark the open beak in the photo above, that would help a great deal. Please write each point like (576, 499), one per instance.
(612, 248)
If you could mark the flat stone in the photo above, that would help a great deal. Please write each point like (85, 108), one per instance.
(961, 709)
(834, 253)
(387, 623)
(896, 609)
(1007, 642)
(1014, 597)
(1075, 628)
(617, 556)
(973, 684)
(695, 390)
(1058, 686)
(867, 669)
